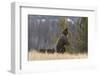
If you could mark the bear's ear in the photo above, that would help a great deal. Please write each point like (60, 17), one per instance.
(66, 29)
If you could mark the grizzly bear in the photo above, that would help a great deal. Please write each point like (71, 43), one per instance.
(62, 42)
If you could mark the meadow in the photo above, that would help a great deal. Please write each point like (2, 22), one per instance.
(34, 55)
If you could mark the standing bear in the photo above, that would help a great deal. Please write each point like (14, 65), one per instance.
(62, 42)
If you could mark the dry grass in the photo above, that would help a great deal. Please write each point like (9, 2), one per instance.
(33, 55)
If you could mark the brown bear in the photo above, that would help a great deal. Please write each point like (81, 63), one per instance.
(62, 42)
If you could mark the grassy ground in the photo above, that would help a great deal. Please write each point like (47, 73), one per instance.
(33, 55)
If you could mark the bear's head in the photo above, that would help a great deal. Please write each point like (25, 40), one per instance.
(65, 32)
